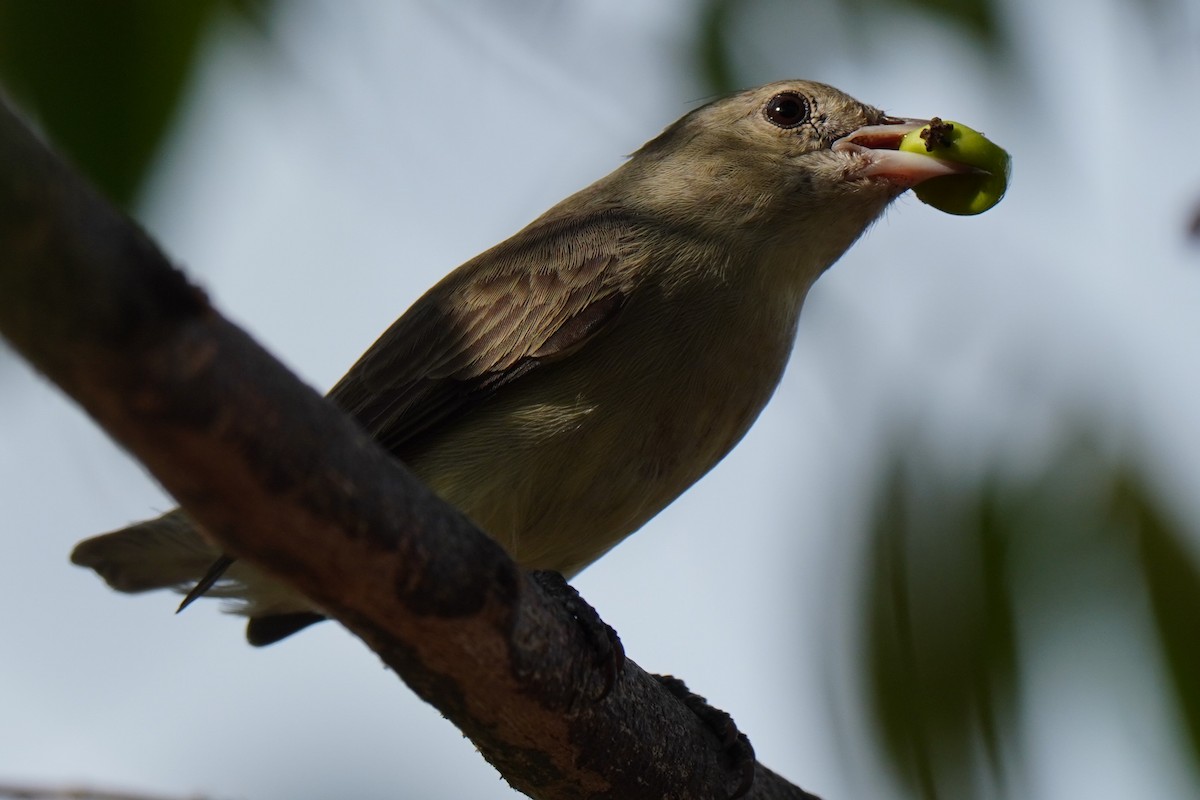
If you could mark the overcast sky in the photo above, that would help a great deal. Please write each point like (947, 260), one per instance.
(318, 184)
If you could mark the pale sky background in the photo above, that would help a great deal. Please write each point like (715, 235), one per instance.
(317, 183)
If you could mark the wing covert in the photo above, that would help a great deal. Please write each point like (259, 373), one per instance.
(486, 324)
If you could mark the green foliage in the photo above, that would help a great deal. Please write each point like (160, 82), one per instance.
(943, 653)
(1171, 573)
(712, 45)
(957, 567)
(976, 18)
(105, 78)
(714, 48)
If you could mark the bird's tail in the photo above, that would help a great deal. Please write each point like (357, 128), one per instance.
(169, 553)
(162, 553)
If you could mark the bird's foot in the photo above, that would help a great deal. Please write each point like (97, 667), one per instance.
(610, 653)
(737, 747)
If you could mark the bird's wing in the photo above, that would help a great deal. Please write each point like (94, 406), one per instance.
(529, 301)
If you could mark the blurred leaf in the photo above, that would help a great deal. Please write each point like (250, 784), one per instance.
(947, 555)
(976, 17)
(715, 43)
(105, 78)
(942, 645)
(893, 660)
(1173, 580)
(996, 521)
(713, 46)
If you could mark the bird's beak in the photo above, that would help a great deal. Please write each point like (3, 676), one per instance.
(877, 148)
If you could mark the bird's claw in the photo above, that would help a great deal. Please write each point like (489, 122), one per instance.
(605, 643)
(736, 745)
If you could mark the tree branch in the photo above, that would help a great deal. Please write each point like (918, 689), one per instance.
(277, 476)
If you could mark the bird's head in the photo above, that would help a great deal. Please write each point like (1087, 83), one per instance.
(779, 163)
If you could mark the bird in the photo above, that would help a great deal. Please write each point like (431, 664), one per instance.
(566, 385)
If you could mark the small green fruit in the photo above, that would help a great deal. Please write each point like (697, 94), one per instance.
(969, 193)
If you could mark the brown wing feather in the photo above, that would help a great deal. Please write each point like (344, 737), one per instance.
(531, 300)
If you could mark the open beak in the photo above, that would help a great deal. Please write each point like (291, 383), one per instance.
(878, 154)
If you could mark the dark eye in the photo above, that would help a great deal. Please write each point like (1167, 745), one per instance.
(787, 110)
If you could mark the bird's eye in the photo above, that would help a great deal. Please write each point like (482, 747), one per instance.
(787, 110)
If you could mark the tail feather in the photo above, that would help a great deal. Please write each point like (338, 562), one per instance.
(207, 581)
(169, 553)
(261, 631)
(162, 553)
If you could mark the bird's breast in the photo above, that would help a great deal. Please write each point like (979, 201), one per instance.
(576, 455)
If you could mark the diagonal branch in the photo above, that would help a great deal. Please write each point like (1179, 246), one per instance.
(282, 479)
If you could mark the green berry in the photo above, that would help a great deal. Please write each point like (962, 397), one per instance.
(969, 193)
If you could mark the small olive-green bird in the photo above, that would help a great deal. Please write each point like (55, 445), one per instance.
(566, 385)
